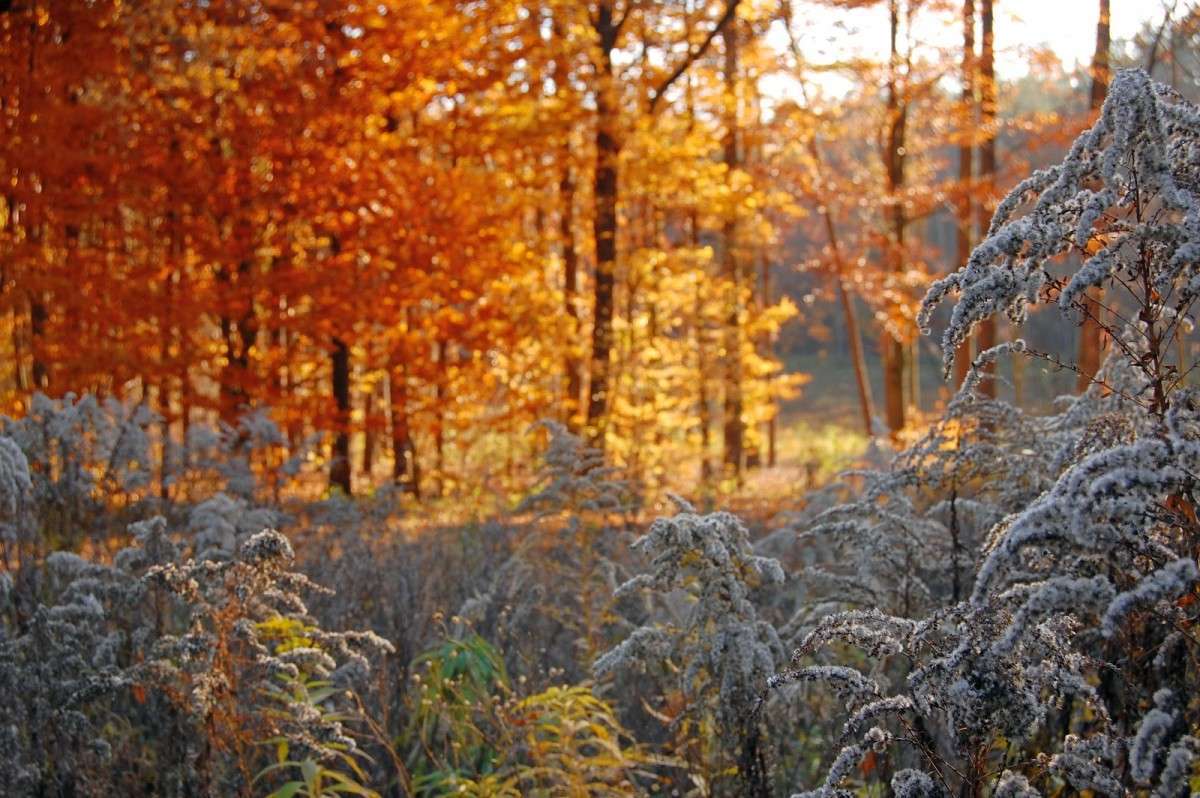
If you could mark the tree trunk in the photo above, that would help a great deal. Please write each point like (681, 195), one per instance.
(605, 189)
(856, 356)
(892, 349)
(604, 226)
(702, 398)
(700, 325)
(405, 473)
(369, 433)
(986, 337)
(734, 428)
(570, 260)
(914, 374)
(1091, 333)
(1100, 59)
(768, 346)
(572, 368)
(849, 316)
(964, 210)
(339, 466)
(439, 426)
(288, 389)
(20, 372)
(751, 157)
(239, 335)
(37, 332)
(7, 207)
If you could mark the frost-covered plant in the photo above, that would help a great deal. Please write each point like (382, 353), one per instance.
(200, 656)
(91, 465)
(245, 633)
(1125, 197)
(1078, 631)
(16, 489)
(85, 455)
(249, 460)
(73, 711)
(221, 524)
(158, 657)
(718, 647)
(906, 542)
(574, 477)
(558, 585)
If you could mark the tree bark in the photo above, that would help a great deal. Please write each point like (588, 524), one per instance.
(1100, 59)
(37, 332)
(439, 427)
(699, 329)
(369, 434)
(850, 317)
(768, 345)
(239, 334)
(986, 336)
(570, 259)
(38, 316)
(572, 368)
(1091, 333)
(964, 210)
(734, 428)
(339, 465)
(702, 364)
(405, 473)
(856, 355)
(892, 349)
(604, 225)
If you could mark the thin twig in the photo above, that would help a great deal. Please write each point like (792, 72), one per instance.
(1055, 360)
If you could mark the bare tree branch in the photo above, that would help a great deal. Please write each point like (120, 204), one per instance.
(1152, 56)
(729, 15)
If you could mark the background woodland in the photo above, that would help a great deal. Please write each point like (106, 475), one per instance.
(347, 353)
(415, 229)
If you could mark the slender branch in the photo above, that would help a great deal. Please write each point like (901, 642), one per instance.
(1152, 56)
(1058, 362)
(625, 16)
(730, 13)
(1116, 339)
(1183, 376)
(1180, 314)
(932, 755)
(1058, 284)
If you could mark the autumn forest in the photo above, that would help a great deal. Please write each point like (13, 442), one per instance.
(350, 350)
(418, 228)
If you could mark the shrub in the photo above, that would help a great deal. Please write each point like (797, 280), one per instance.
(1065, 662)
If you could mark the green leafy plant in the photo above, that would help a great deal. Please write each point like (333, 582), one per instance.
(471, 734)
(328, 768)
(455, 721)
